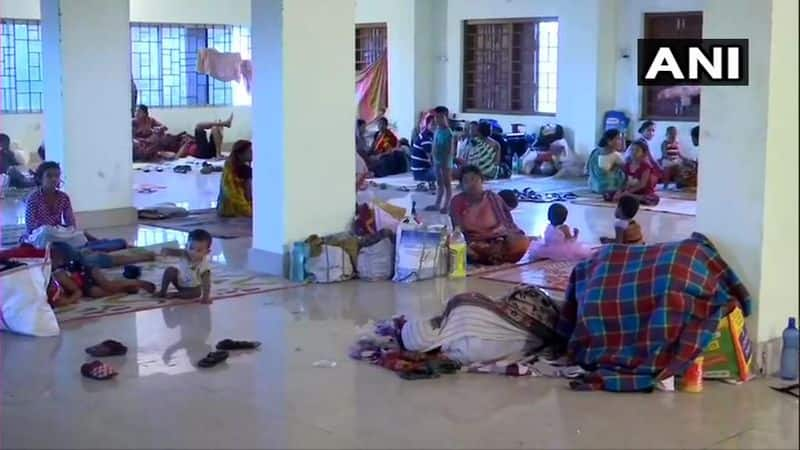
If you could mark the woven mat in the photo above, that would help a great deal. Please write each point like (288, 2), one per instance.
(665, 205)
(207, 219)
(544, 274)
(226, 283)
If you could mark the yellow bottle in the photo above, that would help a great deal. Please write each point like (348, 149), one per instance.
(458, 254)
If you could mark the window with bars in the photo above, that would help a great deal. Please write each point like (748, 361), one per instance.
(510, 66)
(21, 84)
(370, 44)
(164, 64)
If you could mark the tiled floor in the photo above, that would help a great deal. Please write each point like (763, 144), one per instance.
(274, 398)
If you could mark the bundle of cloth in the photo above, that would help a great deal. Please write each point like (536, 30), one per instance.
(637, 315)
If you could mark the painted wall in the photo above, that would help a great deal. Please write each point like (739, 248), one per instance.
(630, 27)
(26, 129)
(758, 237)
(779, 262)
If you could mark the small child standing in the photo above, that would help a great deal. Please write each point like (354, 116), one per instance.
(443, 151)
(192, 275)
(627, 231)
(560, 243)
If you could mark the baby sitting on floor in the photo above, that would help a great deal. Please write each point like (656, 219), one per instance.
(192, 275)
(560, 243)
(626, 229)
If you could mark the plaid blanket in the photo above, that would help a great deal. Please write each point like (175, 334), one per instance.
(638, 314)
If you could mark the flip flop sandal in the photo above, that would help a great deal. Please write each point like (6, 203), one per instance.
(107, 348)
(159, 169)
(230, 344)
(98, 370)
(422, 187)
(206, 170)
(212, 359)
(403, 189)
(216, 168)
(569, 196)
(791, 389)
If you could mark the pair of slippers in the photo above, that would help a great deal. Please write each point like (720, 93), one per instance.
(529, 195)
(223, 348)
(98, 370)
(210, 168)
(157, 169)
(182, 169)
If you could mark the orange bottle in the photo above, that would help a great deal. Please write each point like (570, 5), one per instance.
(693, 378)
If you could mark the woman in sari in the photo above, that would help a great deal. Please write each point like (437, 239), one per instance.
(606, 166)
(385, 156)
(484, 153)
(641, 182)
(647, 132)
(235, 189)
(492, 236)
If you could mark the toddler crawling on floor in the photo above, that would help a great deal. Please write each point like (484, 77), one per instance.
(192, 275)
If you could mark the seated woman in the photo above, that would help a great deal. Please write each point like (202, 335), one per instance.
(606, 166)
(385, 155)
(485, 154)
(641, 183)
(48, 208)
(235, 186)
(647, 132)
(149, 137)
(12, 167)
(483, 216)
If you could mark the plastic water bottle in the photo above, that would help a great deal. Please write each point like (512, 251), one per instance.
(790, 351)
(515, 164)
(297, 267)
(458, 254)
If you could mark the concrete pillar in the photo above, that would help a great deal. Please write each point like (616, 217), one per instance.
(748, 196)
(303, 123)
(86, 57)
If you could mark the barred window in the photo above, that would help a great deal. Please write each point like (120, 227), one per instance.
(510, 66)
(21, 84)
(164, 63)
(370, 44)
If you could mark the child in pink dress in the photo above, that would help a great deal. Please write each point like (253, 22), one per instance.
(559, 243)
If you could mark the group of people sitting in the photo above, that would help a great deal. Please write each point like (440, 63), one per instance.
(151, 142)
(637, 172)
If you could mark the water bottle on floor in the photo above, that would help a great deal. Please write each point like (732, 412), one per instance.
(789, 352)
(458, 254)
(297, 266)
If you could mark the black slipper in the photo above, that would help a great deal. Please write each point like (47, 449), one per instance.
(791, 389)
(212, 359)
(107, 348)
(230, 344)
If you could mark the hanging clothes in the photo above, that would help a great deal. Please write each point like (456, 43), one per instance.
(372, 89)
(221, 66)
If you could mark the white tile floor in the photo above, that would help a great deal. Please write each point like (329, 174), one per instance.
(273, 398)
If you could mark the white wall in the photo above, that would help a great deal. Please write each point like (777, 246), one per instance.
(630, 27)
(26, 129)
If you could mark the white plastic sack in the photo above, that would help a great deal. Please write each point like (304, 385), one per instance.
(47, 234)
(23, 301)
(332, 265)
(420, 252)
(376, 262)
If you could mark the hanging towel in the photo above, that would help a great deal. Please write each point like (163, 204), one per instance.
(247, 73)
(221, 66)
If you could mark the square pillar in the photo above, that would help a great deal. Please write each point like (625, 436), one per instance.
(748, 180)
(303, 123)
(87, 125)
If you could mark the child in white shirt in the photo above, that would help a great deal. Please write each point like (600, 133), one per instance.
(192, 274)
